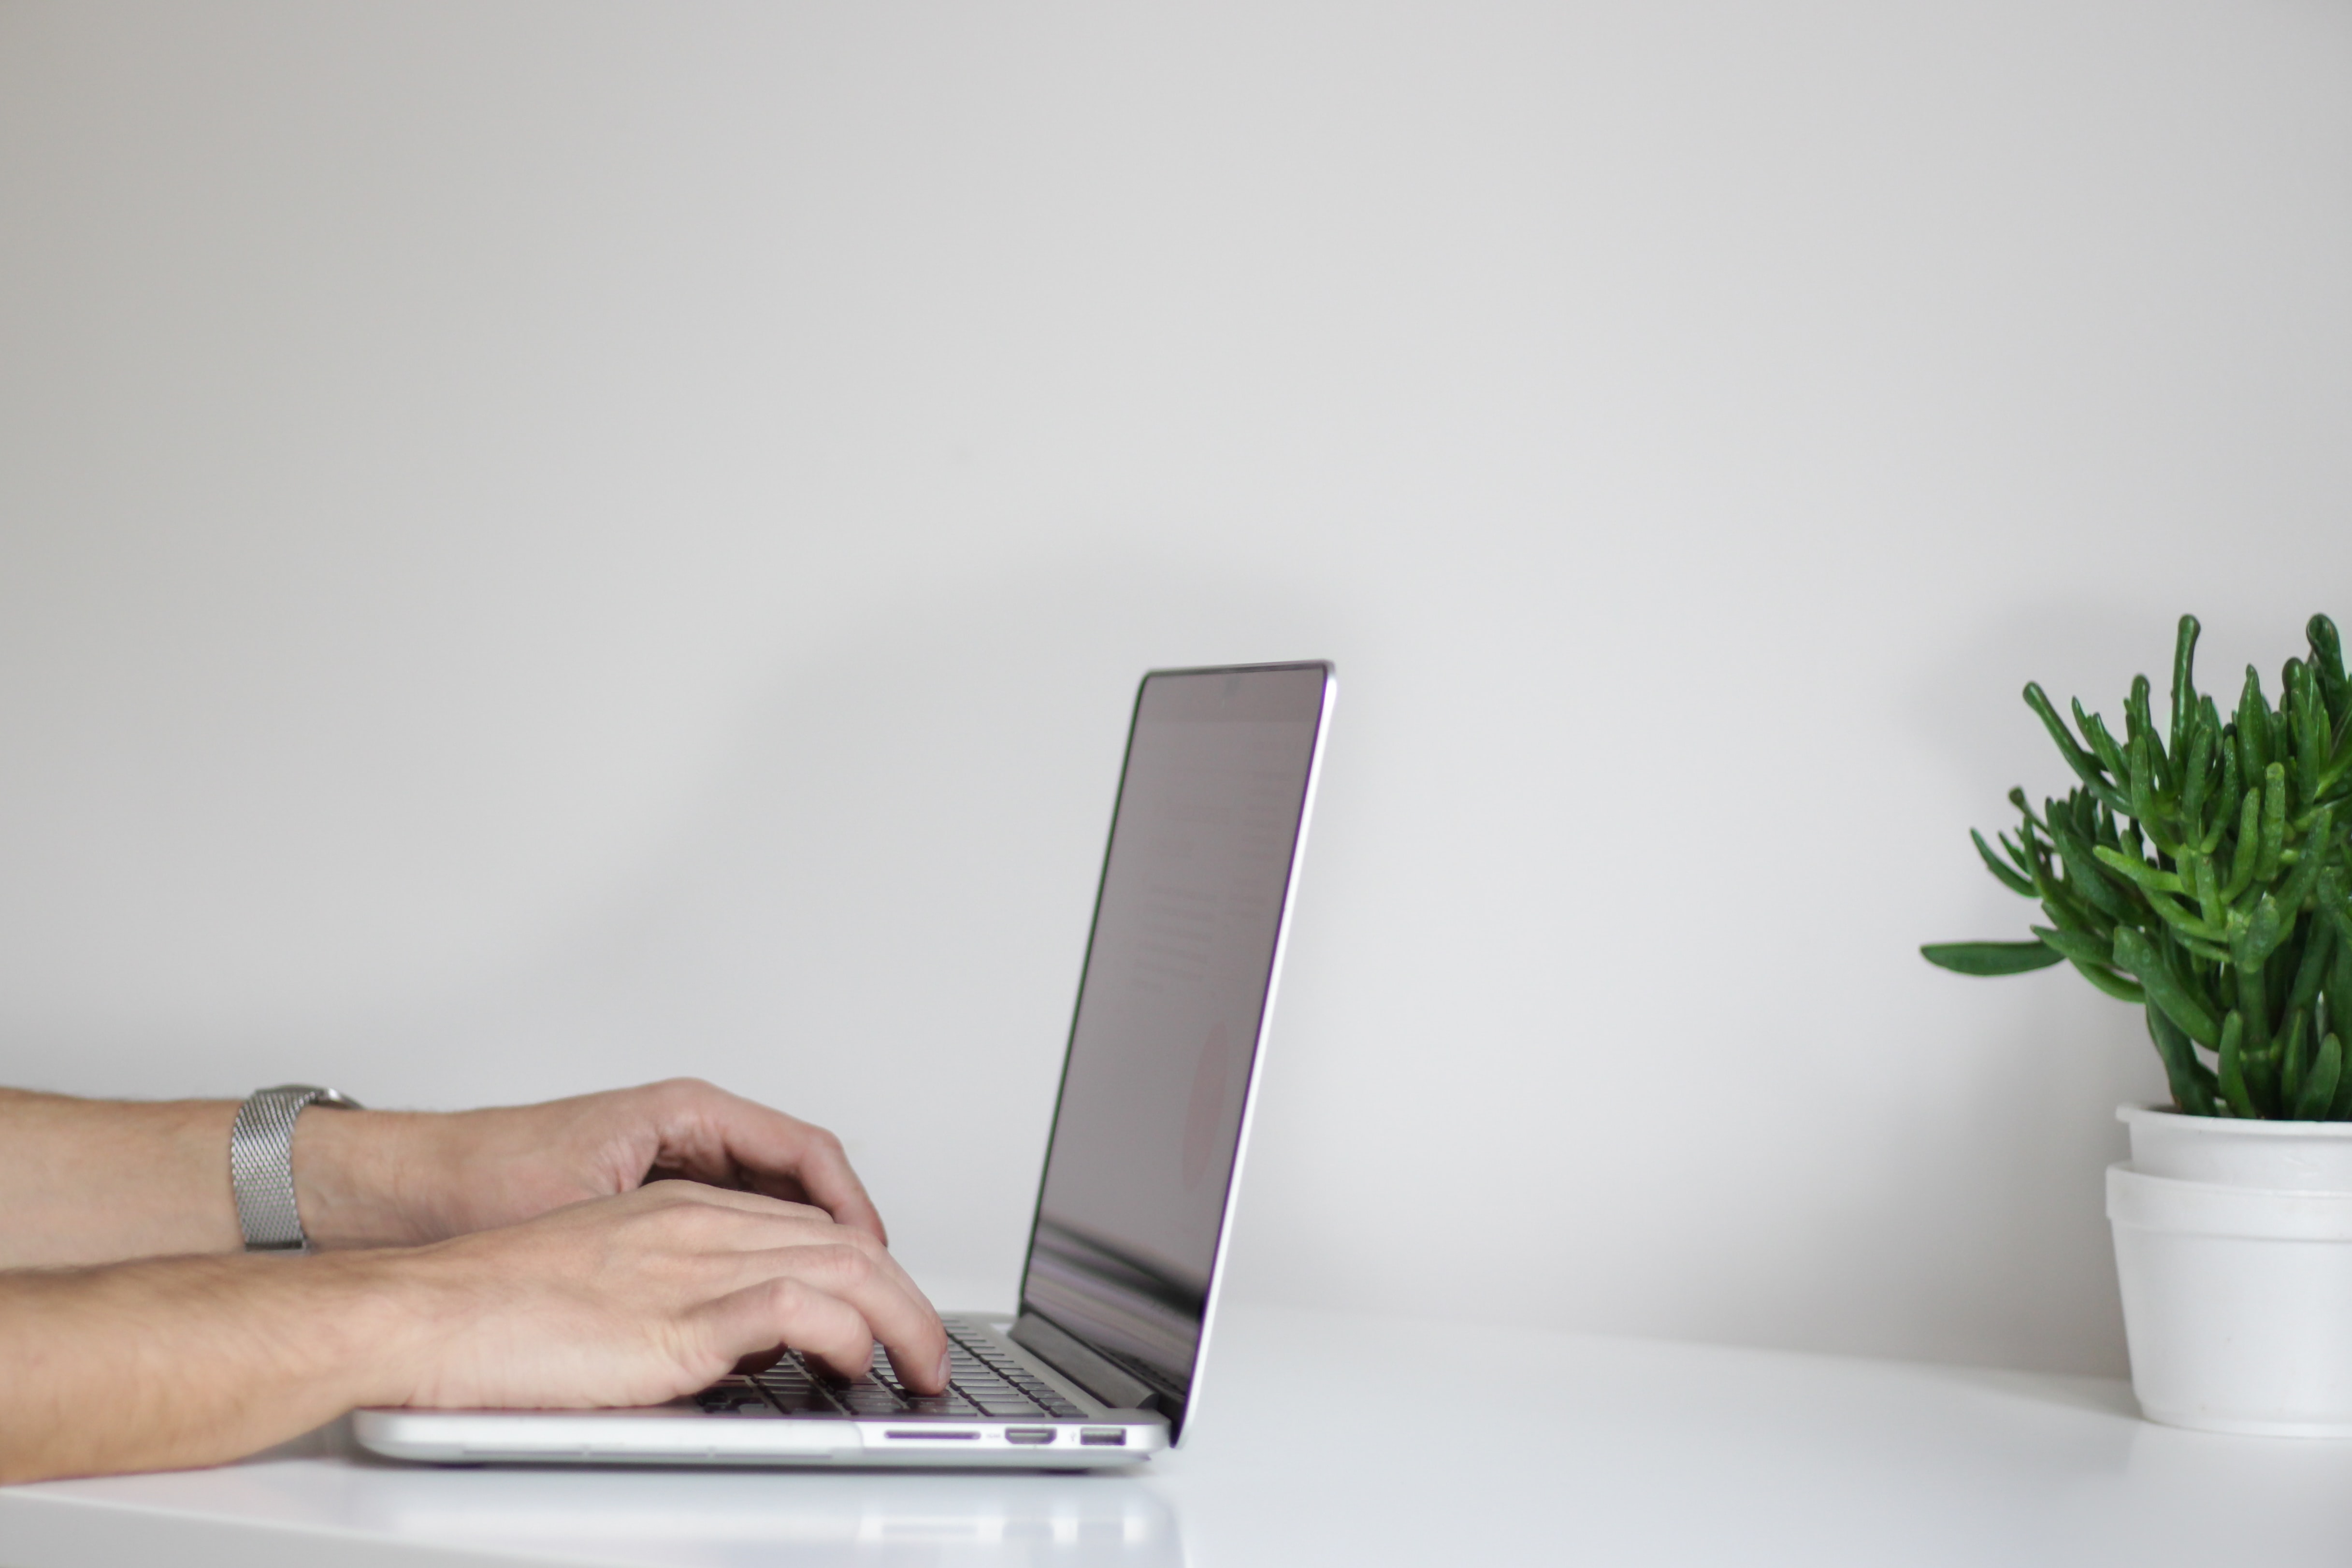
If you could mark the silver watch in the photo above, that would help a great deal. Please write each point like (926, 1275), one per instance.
(261, 1164)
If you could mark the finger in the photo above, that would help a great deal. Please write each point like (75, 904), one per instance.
(813, 1169)
(759, 1361)
(786, 1187)
(788, 1312)
(756, 1231)
(691, 1219)
(900, 1315)
(723, 1137)
(745, 1238)
(677, 1191)
(858, 1271)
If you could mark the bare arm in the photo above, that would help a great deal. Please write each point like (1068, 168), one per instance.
(90, 1181)
(184, 1361)
(620, 1300)
(96, 1181)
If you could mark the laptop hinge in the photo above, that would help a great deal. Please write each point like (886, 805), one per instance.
(1115, 1388)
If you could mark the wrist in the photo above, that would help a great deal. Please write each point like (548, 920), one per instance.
(354, 1172)
(382, 1300)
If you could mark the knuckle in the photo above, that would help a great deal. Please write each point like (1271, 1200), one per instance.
(794, 1302)
(848, 1262)
(825, 1141)
(671, 1094)
(692, 1220)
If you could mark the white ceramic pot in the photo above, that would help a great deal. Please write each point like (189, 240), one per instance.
(2277, 1156)
(2233, 1246)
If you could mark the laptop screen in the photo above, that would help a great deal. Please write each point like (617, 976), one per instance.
(1170, 1007)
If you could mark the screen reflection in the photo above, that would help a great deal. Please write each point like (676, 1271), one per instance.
(1175, 988)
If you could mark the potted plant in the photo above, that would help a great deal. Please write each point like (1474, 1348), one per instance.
(2199, 869)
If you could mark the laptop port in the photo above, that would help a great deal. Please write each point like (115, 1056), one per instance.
(929, 1434)
(1028, 1434)
(1104, 1437)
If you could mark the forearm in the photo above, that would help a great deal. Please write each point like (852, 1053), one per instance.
(90, 1181)
(191, 1361)
(103, 1181)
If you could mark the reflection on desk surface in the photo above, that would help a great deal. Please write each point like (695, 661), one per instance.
(716, 1517)
(878, 1517)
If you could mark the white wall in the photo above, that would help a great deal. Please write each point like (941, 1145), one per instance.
(542, 546)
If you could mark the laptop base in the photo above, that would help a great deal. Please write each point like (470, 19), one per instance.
(735, 1424)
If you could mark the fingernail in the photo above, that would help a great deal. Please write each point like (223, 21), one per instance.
(943, 1369)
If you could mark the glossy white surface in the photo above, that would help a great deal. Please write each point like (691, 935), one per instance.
(1555, 1448)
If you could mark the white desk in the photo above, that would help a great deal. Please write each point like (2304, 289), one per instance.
(1557, 1449)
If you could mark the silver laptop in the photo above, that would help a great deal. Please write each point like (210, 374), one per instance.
(1103, 1363)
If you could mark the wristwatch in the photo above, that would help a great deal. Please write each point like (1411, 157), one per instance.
(261, 1164)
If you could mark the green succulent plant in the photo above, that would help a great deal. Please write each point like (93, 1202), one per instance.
(2199, 871)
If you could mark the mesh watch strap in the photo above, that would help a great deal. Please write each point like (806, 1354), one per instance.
(261, 1164)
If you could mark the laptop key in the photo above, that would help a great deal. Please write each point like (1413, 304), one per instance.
(870, 1401)
(735, 1399)
(794, 1392)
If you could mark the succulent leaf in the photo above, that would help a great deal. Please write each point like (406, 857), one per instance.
(2140, 871)
(2136, 724)
(2327, 664)
(2138, 956)
(2311, 968)
(2232, 1070)
(2253, 728)
(2292, 1058)
(2008, 878)
(1990, 958)
(2273, 821)
(2319, 1096)
(2090, 958)
(2193, 1083)
(2102, 744)
(2085, 767)
(2184, 677)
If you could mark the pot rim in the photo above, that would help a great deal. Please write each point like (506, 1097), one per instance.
(2232, 1126)
(2169, 1205)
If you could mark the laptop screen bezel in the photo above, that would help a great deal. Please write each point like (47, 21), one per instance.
(1179, 1410)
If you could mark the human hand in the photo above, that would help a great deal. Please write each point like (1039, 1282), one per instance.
(373, 1178)
(643, 1297)
(628, 1299)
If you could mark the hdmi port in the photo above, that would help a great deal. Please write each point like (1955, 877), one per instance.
(1029, 1433)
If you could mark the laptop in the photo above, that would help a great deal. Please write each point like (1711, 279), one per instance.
(1104, 1361)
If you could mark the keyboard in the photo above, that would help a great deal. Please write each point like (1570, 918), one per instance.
(985, 1381)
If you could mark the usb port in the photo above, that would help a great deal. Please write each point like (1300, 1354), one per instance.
(1104, 1437)
(1028, 1434)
